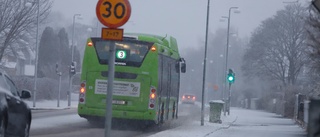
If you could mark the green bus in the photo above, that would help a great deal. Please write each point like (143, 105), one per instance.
(146, 79)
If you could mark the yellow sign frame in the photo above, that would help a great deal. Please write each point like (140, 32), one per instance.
(112, 34)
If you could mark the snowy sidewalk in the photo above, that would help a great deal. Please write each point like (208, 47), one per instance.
(53, 104)
(194, 129)
(260, 122)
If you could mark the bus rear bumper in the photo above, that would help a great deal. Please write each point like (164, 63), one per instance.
(87, 112)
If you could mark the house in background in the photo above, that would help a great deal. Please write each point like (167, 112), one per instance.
(19, 63)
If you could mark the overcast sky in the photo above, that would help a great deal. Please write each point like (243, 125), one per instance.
(183, 19)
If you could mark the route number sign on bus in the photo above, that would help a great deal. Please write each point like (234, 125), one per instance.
(121, 54)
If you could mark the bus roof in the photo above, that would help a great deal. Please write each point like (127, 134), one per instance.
(169, 42)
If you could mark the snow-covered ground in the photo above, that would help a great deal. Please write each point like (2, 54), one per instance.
(53, 104)
(240, 123)
(194, 128)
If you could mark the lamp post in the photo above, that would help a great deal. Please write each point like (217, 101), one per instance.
(204, 65)
(36, 57)
(72, 45)
(226, 64)
(72, 52)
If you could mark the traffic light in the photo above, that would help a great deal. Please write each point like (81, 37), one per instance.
(230, 76)
(73, 68)
(57, 68)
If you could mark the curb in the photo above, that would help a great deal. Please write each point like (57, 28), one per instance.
(227, 126)
(52, 108)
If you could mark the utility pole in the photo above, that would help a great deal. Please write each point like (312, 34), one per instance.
(226, 64)
(72, 60)
(36, 57)
(204, 66)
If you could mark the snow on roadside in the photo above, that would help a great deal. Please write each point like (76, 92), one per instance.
(53, 104)
(194, 129)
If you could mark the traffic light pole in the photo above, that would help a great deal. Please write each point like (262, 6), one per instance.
(70, 89)
(59, 92)
(229, 99)
(231, 79)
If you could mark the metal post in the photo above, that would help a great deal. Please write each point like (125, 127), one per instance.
(229, 99)
(108, 114)
(204, 65)
(60, 73)
(36, 58)
(226, 65)
(70, 88)
(97, 29)
(72, 52)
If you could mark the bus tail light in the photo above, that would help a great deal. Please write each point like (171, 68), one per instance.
(152, 97)
(89, 44)
(153, 48)
(82, 94)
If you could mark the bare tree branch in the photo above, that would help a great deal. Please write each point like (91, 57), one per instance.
(281, 44)
(17, 19)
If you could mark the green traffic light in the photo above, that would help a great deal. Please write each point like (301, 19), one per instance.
(230, 78)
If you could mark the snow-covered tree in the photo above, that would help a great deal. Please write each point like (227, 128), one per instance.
(19, 18)
(277, 48)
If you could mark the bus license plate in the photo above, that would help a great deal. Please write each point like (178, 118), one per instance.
(118, 102)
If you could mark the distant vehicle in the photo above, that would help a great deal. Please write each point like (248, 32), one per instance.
(146, 80)
(15, 115)
(188, 99)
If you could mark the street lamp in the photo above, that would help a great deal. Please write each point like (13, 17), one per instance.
(226, 64)
(72, 45)
(72, 52)
(36, 52)
(204, 65)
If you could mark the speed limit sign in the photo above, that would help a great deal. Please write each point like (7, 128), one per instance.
(113, 13)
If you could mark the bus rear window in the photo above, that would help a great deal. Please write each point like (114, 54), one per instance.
(135, 51)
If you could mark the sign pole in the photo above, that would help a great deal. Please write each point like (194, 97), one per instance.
(110, 90)
(113, 14)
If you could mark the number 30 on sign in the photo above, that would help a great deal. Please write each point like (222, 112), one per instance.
(113, 13)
